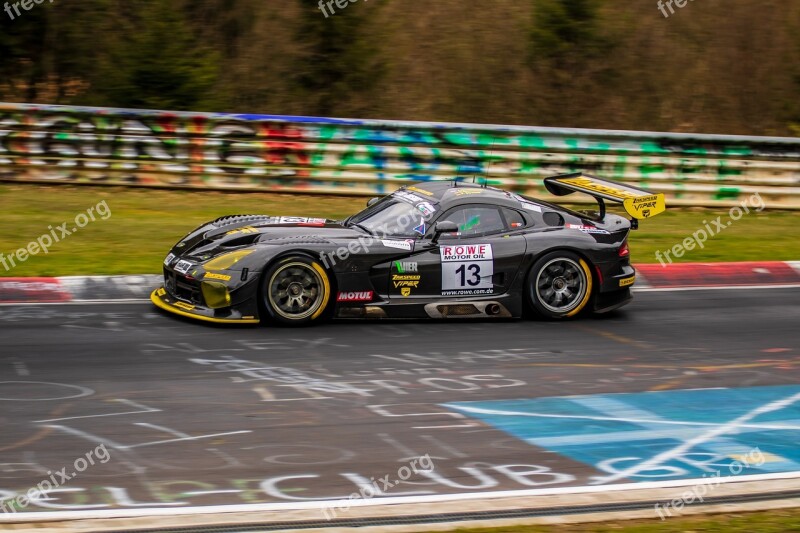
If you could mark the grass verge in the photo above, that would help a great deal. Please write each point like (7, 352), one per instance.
(776, 521)
(145, 223)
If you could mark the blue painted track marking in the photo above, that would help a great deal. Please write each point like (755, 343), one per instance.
(659, 435)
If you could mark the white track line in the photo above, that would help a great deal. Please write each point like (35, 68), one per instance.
(327, 504)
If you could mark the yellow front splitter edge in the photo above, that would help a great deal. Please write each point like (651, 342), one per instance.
(155, 297)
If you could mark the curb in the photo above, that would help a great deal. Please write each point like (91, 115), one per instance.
(77, 289)
(695, 275)
(82, 289)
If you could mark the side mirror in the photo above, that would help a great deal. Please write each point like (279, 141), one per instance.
(373, 201)
(445, 226)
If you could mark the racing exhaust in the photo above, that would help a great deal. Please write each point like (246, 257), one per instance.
(493, 309)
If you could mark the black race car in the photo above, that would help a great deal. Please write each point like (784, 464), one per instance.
(439, 249)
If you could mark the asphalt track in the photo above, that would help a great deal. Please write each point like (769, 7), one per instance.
(196, 415)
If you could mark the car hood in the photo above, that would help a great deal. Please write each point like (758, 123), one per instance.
(232, 232)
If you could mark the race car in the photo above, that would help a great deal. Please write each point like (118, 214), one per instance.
(437, 249)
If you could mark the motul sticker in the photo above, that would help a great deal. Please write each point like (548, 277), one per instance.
(362, 296)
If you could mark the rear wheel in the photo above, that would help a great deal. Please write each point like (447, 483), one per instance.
(560, 285)
(295, 291)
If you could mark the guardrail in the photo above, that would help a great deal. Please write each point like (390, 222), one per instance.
(80, 145)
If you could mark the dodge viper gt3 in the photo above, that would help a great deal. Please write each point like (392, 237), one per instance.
(439, 249)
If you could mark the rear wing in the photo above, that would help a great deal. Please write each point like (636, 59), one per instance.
(638, 203)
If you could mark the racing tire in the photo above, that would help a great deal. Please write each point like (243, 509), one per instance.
(295, 291)
(559, 285)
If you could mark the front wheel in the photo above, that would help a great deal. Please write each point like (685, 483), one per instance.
(559, 285)
(295, 291)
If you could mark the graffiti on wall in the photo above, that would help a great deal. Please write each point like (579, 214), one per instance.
(264, 152)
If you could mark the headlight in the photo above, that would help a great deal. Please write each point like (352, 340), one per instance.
(224, 262)
(215, 294)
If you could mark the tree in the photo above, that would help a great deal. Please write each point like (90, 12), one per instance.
(48, 51)
(337, 65)
(567, 45)
(156, 61)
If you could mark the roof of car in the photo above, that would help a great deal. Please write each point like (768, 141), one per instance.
(449, 190)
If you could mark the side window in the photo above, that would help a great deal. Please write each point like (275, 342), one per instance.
(476, 220)
(514, 219)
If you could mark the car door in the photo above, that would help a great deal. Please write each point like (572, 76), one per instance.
(482, 259)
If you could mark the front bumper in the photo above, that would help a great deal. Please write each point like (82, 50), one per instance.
(162, 299)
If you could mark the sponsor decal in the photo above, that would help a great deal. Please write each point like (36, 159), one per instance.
(468, 292)
(426, 208)
(591, 185)
(406, 245)
(214, 275)
(406, 277)
(183, 267)
(404, 267)
(313, 222)
(170, 258)
(408, 197)
(246, 229)
(420, 229)
(645, 206)
(588, 229)
(301, 220)
(530, 207)
(184, 305)
(406, 281)
(358, 296)
(467, 269)
(464, 252)
(420, 191)
(627, 281)
(466, 192)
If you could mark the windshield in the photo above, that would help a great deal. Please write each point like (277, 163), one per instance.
(391, 217)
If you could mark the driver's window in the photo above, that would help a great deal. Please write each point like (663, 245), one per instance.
(474, 220)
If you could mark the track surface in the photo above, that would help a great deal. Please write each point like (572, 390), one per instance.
(200, 415)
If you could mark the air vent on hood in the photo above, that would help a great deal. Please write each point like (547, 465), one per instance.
(244, 240)
(294, 239)
(238, 219)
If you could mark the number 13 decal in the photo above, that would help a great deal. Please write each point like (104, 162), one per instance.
(467, 269)
(475, 275)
